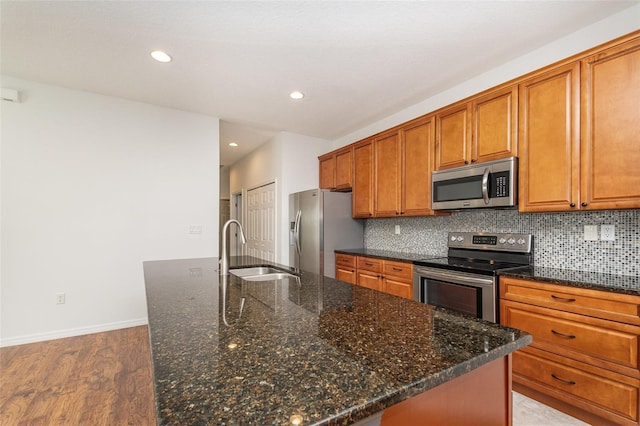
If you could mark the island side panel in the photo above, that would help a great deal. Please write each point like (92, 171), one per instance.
(480, 397)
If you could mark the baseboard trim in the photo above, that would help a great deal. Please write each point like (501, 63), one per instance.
(71, 332)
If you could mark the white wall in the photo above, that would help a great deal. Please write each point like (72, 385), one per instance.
(615, 26)
(289, 159)
(91, 187)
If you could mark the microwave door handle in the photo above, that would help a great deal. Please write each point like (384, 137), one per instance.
(485, 186)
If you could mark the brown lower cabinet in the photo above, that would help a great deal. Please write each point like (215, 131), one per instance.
(346, 268)
(383, 275)
(584, 356)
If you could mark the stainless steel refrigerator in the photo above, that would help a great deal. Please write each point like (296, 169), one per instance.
(319, 222)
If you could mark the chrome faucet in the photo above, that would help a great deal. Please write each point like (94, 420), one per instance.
(224, 257)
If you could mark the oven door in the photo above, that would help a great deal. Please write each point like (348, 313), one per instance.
(471, 294)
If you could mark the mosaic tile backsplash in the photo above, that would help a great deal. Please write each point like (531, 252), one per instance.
(558, 237)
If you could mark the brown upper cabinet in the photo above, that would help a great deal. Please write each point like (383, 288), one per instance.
(579, 134)
(481, 129)
(403, 164)
(362, 200)
(336, 170)
(574, 126)
(549, 140)
(610, 114)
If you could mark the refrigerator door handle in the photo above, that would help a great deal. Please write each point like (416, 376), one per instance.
(296, 232)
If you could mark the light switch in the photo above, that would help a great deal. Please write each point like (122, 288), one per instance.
(591, 232)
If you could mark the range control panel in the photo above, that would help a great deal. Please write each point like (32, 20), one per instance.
(521, 243)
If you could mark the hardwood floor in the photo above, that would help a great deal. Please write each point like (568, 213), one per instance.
(96, 379)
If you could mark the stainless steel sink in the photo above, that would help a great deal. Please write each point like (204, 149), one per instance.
(262, 273)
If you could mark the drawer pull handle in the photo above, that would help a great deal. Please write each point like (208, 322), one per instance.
(368, 264)
(397, 269)
(563, 299)
(566, 336)
(566, 382)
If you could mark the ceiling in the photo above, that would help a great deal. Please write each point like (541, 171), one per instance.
(356, 61)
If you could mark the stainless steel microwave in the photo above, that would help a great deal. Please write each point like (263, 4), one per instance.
(493, 184)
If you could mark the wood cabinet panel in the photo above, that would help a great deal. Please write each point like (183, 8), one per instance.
(327, 171)
(610, 149)
(453, 139)
(370, 264)
(584, 356)
(607, 341)
(614, 400)
(387, 175)
(346, 268)
(495, 124)
(399, 270)
(549, 140)
(398, 288)
(363, 179)
(344, 169)
(336, 170)
(417, 160)
(345, 274)
(370, 280)
(618, 307)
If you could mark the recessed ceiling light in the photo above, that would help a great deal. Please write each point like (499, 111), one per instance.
(160, 56)
(233, 144)
(296, 95)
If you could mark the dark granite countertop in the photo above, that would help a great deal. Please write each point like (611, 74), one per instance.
(606, 282)
(321, 349)
(389, 255)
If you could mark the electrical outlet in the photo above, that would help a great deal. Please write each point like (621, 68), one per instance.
(591, 232)
(608, 232)
(397, 229)
(61, 298)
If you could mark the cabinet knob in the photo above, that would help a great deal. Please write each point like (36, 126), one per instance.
(584, 204)
(572, 205)
(466, 162)
(473, 161)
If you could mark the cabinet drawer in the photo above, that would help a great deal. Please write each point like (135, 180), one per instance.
(600, 304)
(588, 338)
(607, 395)
(370, 264)
(399, 270)
(345, 260)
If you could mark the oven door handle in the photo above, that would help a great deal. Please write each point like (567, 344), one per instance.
(454, 277)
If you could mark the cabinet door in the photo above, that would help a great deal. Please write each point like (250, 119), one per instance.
(495, 125)
(346, 274)
(453, 140)
(417, 154)
(549, 129)
(363, 179)
(387, 175)
(610, 150)
(327, 171)
(344, 169)
(370, 280)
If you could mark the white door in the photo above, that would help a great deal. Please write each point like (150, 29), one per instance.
(260, 228)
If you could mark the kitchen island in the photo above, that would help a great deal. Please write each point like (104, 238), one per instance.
(312, 351)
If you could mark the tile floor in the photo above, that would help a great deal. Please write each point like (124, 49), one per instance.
(527, 412)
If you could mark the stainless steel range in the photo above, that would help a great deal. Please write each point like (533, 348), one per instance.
(467, 280)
